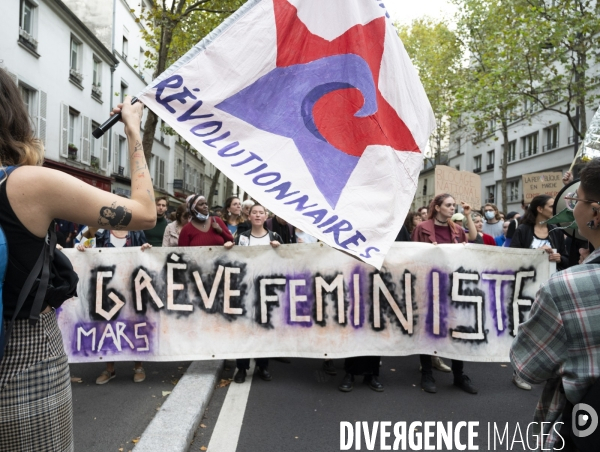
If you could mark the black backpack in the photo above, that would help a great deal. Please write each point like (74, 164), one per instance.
(52, 280)
(573, 441)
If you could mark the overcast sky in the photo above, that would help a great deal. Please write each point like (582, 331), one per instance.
(405, 11)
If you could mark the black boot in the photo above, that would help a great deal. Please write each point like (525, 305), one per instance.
(428, 382)
(329, 368)
(264, 374)
(346, 385)
(465, 383)
(373, 382)
(240, 376)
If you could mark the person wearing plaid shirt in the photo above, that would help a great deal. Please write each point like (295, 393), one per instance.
(560, 342)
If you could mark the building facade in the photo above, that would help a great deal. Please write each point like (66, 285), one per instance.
(74, 60)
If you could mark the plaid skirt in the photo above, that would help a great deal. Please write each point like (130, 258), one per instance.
(36, 412)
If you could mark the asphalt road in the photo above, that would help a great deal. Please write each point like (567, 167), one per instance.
(301, 409)
(111, 417)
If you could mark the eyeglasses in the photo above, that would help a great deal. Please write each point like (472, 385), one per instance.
(572, 199)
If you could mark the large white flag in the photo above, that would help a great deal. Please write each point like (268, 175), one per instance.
(314, 108)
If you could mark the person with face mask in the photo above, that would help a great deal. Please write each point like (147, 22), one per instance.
(203, 230)
(493, 222)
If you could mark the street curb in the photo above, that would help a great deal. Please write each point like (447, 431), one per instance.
(173, 427)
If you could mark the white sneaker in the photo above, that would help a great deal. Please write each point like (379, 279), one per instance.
(520, 383)
(439, 364)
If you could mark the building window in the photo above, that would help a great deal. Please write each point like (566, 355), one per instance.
(74, 128)
(125, 48)
(27, 24)
(141, 61)
(512, 150)
(74, 68)
(122, 155)
(490, 191)
(161, 179)
(28, 96)
(424, 187)
(490, 159)
(477, 164)
(551, 138)
(530, 145)
(513, 190)
(123, 91)
(458, 143)
(457, 167)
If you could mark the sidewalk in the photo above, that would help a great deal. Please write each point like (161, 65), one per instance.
(174, 425)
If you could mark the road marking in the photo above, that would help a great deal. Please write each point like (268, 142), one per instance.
(226, 434)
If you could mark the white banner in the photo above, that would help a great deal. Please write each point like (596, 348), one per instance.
(314, 108)
(306, 300)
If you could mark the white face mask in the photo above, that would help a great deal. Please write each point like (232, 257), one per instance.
(490, 215)
(200, 217)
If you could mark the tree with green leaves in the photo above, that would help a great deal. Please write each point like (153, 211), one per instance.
(173, 28)
(559, 43)
(488, 98)
(436, 53)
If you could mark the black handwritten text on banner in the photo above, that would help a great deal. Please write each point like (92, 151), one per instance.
(164, 304)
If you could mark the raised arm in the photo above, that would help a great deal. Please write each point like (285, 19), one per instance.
(38, 195)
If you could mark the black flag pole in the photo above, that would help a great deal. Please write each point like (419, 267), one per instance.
(110, 122)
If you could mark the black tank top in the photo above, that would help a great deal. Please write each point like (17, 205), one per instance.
(24, 248)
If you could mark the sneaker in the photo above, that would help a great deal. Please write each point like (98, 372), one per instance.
(373, 383)
(139, 375)
(439, 364)
(346, 384)
(464, 383)
(329, 368)
(264, 374)
(240, 376)
(428, 383)
(105, 377)
(520, 383)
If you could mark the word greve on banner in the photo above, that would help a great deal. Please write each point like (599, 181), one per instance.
(304, 300)
(314, 109)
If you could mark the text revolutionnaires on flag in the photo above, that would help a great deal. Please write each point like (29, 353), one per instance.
(314, 109)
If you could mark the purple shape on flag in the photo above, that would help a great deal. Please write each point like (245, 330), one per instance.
(282, 102)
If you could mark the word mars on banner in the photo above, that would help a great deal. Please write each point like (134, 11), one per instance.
(536, 184)
(463, 185)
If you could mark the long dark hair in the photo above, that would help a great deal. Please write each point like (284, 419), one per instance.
(409, 223)
(18, 145)
(181, 213)
(224, 211)
(531, 213)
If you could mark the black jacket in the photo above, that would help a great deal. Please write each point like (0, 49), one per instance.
(524, 237)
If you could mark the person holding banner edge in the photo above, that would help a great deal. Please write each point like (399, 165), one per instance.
(35, 391)
(439, 228)
(258, 235)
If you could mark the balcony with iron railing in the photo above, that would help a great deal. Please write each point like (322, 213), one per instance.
(477, 170)
(489, 166)
(550, 146)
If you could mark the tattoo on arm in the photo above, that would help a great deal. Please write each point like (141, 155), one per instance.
(114, 217)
